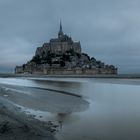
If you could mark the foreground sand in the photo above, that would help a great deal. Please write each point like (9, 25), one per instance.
(16, 125)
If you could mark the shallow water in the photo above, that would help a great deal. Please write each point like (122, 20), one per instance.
(113, 112)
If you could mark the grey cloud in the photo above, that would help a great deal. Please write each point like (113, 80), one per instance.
(14, 52)
(108, 30)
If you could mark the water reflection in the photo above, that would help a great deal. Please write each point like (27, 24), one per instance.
(46, 95)
(114, 114)
(68, 86)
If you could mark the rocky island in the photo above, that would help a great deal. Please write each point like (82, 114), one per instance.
(63, 56)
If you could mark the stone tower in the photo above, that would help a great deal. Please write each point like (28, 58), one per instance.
(60, 33)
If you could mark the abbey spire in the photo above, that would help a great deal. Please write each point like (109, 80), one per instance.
(60, 33)
(61, 26)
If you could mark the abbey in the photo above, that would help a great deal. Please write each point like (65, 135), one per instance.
(59, 45)
(63, 56)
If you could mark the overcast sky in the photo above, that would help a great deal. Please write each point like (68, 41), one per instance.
(108, 30)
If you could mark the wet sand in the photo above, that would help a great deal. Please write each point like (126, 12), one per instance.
(109, 109)
(16, 125)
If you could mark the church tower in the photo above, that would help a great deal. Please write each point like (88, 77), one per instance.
(60, 33)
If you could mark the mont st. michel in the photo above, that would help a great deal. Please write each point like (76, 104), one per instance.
(63, 56)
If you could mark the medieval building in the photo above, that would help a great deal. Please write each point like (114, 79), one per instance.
(59, 45)
(62, 55)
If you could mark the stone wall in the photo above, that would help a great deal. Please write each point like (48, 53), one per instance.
(77, 47)
(19, 69)
(58, 48)
(78, 71)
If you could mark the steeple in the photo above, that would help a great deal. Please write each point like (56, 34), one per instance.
(60, 26)
(60, 33)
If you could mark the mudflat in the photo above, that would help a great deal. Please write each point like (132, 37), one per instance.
(16, 125)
